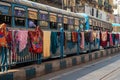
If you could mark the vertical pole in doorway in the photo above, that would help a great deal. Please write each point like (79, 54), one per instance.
(61, 42)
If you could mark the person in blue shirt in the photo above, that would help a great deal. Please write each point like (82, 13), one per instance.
(31, 24)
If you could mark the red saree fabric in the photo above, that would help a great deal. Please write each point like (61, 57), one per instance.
(36, 41)
(74, 36)
(103, 39)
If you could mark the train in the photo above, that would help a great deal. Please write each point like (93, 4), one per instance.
(18, 13)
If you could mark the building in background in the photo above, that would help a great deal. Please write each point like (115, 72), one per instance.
(62, 4)
(104, 5)
(116, 11)
(102, 9)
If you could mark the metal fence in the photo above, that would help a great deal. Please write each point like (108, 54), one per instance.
(8, 58)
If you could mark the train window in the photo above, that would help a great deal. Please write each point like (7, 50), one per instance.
(90, 21)
(44, 16)
(53, 19)
(91, 27)
(76, 27)
(65, 21)
(98, 28)
(65, 26)
(59, 19)
(19, 12)
(53, 25)
(32, 23)
(43, 24)
(76, 22)
(5, 12)
(82, 27)
(5, 19)
(71, 27)
(20, 15)
(95, 28)
(59, 25)
(19, 21)
(32, 15)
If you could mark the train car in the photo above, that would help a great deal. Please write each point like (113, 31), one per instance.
(18, 14)
(64, 32)
(97, 25)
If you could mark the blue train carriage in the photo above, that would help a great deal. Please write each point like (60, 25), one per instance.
(48, 18)
(94, 24)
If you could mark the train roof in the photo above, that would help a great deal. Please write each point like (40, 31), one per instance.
(43, 7)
